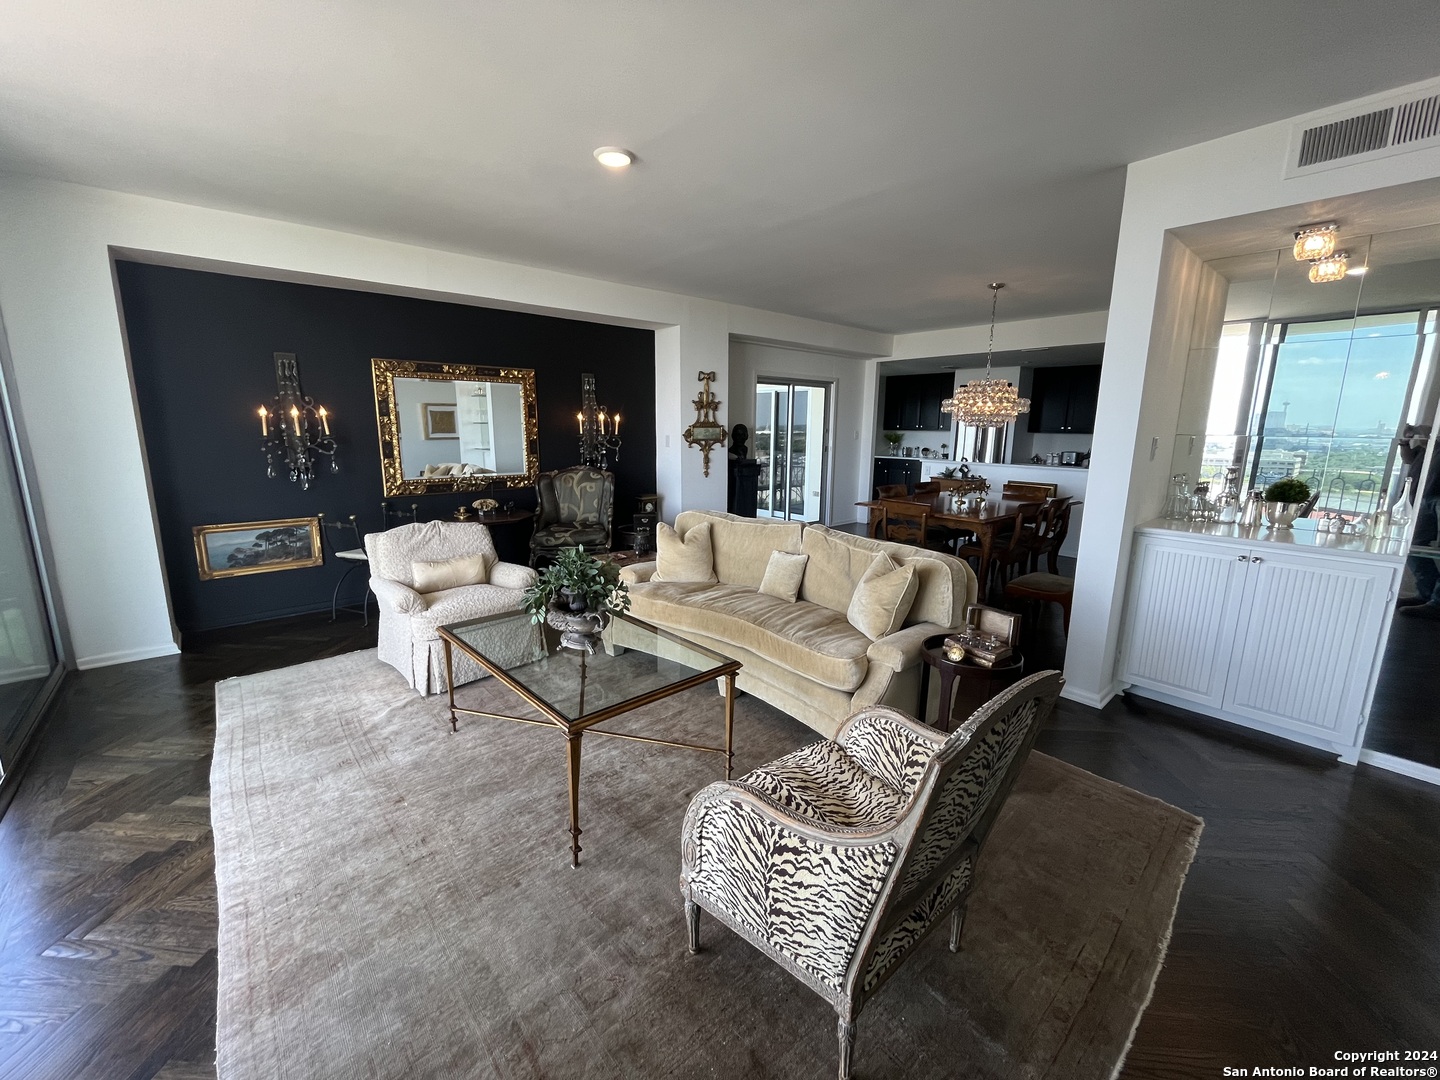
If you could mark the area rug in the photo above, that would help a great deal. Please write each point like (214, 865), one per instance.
(397, 901)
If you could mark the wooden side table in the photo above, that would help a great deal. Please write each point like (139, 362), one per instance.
(978, 684)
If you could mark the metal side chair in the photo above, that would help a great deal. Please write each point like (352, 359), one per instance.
(394, 516)
(347, 545)
(837, 860)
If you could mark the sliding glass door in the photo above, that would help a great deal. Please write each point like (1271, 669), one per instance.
(792, 439)
(27, 644)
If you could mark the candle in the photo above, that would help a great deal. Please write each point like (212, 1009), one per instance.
(616, 429)
(264, 421)
(603, 418)
(580, 420)
(294, 420)
(324, 419)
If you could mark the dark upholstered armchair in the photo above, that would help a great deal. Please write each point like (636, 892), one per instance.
(575, 506)
(838, 859)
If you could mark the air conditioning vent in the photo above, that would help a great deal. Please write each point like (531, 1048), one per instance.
(1417, 120)
(1394, 123)
(1345, 138)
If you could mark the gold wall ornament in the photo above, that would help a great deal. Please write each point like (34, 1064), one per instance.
(404, 426)
(706, 431)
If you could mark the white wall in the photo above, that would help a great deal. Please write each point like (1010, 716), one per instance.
(752, 362)
(1147, 335)
(73, 388)
(416, 451)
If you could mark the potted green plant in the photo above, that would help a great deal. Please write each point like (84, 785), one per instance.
(894, 438)
(1283, 500)
(577, 582)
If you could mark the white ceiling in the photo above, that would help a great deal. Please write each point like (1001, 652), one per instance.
(865, 162)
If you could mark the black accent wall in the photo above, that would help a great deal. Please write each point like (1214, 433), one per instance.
(202, 345)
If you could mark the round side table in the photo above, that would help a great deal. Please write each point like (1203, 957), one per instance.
(983, 682)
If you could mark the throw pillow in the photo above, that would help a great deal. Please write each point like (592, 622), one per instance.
(450, 573)
(883, 598)
(783, 574)
(690, 559)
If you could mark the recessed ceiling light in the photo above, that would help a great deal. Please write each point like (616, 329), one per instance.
(613, 157)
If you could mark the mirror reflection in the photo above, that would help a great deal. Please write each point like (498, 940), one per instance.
(1336, 383)
(452, 427)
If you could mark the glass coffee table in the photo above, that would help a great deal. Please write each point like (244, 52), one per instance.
(574, 691)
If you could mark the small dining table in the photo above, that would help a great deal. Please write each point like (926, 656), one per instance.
(996, 516)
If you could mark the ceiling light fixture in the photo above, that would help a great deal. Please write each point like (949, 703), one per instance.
(1356, 271)
(1315, 241)
(1330, 268)
(987, 402)
(613, 157)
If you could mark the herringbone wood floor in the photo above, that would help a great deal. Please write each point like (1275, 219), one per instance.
(1310, 921)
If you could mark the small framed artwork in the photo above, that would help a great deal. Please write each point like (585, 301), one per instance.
(257, 547)
(438, 420)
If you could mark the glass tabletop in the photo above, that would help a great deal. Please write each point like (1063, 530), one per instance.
(633, 660)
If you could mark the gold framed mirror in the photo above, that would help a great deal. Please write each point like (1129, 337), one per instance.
(455, 427)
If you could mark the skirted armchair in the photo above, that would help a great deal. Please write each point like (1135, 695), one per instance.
(410, 619)
(575, 506)
(837, 860)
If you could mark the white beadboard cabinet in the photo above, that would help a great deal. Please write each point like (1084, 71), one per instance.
(1280, 633)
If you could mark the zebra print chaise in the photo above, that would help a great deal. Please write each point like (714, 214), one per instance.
(838, 859)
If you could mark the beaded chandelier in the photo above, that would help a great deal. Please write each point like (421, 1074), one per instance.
(987, 402)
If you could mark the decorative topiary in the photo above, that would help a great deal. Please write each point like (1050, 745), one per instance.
(894, 438)
(1289, 489)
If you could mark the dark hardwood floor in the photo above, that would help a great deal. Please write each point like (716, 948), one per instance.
(1310, 921)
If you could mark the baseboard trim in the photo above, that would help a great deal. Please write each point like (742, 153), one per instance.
(25, 674)
(1095, 701)
(1429, 773)
(126, 656)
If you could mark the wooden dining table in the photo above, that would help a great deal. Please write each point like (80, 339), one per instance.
(998, 515)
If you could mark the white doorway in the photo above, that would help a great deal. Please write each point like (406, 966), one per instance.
(792, 444)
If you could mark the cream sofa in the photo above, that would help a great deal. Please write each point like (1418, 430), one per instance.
(804, 657)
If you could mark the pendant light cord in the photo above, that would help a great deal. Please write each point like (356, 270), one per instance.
(995, 287)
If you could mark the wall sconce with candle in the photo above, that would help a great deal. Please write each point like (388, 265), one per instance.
(599, 428)
(293, 429)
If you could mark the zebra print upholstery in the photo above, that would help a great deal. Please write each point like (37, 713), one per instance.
(836, 860)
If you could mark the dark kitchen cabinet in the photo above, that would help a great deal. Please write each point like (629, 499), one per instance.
(1063, 399)
(912, 402)
(896, 471)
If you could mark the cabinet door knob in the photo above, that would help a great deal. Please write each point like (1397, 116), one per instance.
(1256, 558)
(1243, 558)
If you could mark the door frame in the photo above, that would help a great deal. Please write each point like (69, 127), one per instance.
(827, 456)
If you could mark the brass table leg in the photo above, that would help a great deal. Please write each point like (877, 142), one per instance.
(729, 723)
(572, 753)
(450, 684)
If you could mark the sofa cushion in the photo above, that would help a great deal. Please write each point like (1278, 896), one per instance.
(946, 584)
(783, 574)
(835, 568)
(742, 546)
(684, 559)
(883, 598)
(804, 638)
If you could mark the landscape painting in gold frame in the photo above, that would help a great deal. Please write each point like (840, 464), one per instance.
(257, 547)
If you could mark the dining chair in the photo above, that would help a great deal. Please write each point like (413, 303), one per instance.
(1008, 549)
(1019, 489)
(904, 522)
